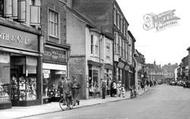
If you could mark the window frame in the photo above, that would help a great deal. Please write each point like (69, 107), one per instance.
(58, 29)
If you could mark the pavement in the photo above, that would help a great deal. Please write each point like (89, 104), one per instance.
(20, 112)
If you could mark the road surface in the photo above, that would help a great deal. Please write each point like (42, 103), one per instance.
(160, 102)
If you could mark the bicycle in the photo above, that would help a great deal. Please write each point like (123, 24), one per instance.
(66, 103)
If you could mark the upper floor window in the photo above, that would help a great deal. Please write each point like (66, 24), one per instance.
(121, 24)
(53, 23)
(1, 8)
(115, 16)
(32, 2)
(18, 10)
(97, 48)
(118, 20)
(34, 13)
(6, 8)
(108, 50)
(92, 44)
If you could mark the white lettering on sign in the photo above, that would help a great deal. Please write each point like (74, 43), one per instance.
(15, 39)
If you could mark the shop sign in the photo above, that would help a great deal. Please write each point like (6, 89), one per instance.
(57, 56)
(121, 65)
(18, 39)
(126, 67)
(46, 73)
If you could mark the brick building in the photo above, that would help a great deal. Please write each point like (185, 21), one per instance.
(55, 49)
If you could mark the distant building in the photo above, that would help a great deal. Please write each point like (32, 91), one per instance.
(140, 65)
(169, 70)
(154, 72)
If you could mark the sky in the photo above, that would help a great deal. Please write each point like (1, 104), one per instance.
(165, 46)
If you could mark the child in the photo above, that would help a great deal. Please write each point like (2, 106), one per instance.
(122, 92)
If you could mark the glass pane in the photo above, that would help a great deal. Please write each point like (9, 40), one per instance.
(31, 75)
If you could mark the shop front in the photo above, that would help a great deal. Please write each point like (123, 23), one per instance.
(94, 70)
(19, 68)
(108, 74)
(54, 68)
(122, 73)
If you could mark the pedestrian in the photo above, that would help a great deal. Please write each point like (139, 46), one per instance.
(113, 89)
(109, 86)
(75, 90)
(119, 89)
(103, 88)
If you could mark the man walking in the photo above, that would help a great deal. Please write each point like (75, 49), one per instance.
(75, 90)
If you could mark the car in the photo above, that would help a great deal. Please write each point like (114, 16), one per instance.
(187, 84)
(173, 83)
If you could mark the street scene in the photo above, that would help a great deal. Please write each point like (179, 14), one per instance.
(99, 59)
(160, 102)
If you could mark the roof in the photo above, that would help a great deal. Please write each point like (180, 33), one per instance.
(82, 16)
(131, 35)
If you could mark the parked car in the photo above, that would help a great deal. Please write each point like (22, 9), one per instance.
(180, 83)
(173, 83)
(187, 84)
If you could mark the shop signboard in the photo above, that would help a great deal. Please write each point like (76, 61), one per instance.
(55, 55)
(17, 39)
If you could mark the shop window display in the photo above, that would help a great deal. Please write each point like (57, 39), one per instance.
(23, 78)
(4, 78)
(94, 83)
(51, 79)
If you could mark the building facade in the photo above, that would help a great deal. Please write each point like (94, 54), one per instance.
(91, 54)
(20, 53)
(140, 65)
(108, 17)
(183, 69)
(131, 62)
(154, 72)
(55, 48)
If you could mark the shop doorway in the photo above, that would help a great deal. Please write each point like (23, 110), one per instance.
(17, 67)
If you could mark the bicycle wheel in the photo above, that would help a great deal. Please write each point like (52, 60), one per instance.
(62, 104)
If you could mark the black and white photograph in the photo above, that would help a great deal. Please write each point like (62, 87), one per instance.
(94, 59)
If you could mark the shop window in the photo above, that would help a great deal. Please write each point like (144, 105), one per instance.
(4, 78)
(94, 83)
(31, 76)
(51, 80)
(23, 78)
